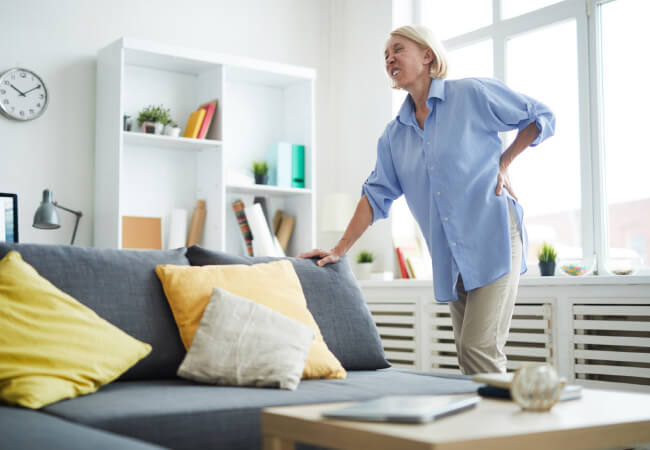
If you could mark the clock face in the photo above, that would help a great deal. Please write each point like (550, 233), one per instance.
(23, 95)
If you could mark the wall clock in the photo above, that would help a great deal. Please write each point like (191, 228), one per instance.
(23, 95)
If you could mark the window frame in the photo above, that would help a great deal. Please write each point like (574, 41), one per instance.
(586, 14)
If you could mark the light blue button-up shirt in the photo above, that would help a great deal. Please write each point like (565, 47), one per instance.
(448, 175)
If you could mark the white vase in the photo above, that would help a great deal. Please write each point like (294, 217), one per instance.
(172, 131)
(363, 271)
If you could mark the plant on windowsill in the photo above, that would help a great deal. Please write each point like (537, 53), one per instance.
(364, 264)
(152, 119)
(546, 256)
(261, 172)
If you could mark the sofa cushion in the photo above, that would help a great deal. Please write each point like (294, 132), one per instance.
(243, 343)
(273, 284)
(51, 346)
(24, 429)
(121, 287)
(334, 299)
(183, 415)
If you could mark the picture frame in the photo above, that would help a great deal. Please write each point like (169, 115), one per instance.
(8, 217)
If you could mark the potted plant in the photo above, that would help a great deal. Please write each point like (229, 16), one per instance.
(364, 264)
(172, 129)
(546, 256)
(152, 119)
(261, 172)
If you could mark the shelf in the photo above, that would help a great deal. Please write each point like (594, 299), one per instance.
(162, 141)
(151, 175)
(257, 189)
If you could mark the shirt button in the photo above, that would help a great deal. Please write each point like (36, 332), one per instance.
(446, 219)
(428, 142)
(453, 243)
(438, 193)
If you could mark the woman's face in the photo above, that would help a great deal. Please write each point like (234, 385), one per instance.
(406, 61)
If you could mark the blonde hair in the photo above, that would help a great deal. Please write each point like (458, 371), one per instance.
(425, 38)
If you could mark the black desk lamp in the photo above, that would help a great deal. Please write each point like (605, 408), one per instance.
(47, 218)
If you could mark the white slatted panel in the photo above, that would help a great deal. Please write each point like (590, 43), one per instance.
(396, 323)
(443, 349)
(612, 343)
(529, 339)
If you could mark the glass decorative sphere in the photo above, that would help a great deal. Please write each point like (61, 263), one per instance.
(536, 388)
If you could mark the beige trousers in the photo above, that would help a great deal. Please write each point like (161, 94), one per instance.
(481, 317)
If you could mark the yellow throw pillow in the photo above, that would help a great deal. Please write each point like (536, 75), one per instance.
(51, 346)
(274, 284)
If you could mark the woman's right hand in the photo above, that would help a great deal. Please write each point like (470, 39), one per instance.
(360, 221)
(326, 256)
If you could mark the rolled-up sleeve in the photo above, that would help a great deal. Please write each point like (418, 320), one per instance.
(505, 110)
(382, 186)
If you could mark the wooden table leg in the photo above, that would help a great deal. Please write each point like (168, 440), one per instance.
(278, 443)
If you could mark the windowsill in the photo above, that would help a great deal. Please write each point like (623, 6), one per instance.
(531, 281)
(566, 280)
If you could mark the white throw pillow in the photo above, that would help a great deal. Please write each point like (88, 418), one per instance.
(242, 343)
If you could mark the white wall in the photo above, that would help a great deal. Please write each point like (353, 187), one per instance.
(59, 41)
(343, 40)
(362, 107)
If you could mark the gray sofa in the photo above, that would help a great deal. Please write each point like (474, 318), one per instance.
(149, 406)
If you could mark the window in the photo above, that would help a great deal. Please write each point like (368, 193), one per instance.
(624, 74)
(513, 8)
(450, 18)
(546, 179)
(474, 60)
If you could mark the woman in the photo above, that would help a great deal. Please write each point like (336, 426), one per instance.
(443, 152)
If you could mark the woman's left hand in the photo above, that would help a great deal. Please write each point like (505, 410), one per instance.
(503, 180)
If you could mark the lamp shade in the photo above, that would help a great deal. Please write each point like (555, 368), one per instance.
(46, 216)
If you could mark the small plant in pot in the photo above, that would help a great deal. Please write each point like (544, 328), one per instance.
(152, 119)
(546, 256)
(364, 264)
(261, 172)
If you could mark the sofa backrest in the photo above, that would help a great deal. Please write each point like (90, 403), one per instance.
(121, 286)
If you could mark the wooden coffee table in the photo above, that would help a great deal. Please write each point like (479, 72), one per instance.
(600, 419)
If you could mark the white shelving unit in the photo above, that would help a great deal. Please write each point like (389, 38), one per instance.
(259, 104)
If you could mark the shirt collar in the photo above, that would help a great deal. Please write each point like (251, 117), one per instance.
(406, 112)
(437, 89)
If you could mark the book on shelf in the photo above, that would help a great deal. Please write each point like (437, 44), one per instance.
(207, 120)
(141, 233)
(283, 226)
(277, 218)
(285, 230)
(409, 268)
(286, 165)
(196, 225)
(212, 131)
(415, 255)
(194, 123)
(177, 228)
(262, 201)
(238, 208)
(416, 263)
(263, 240)
(402, 263)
